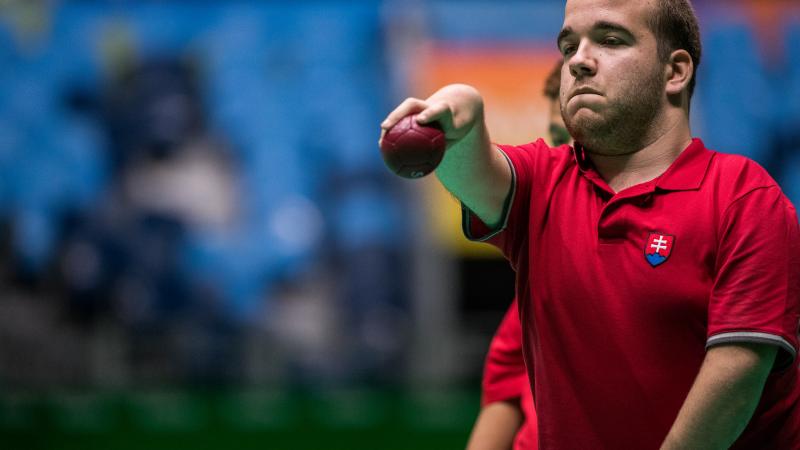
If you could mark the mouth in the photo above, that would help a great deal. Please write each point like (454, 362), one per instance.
(584, 90)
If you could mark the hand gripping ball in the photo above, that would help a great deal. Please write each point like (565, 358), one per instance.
(412, 150)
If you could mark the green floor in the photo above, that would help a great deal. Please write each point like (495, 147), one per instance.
(253, 419)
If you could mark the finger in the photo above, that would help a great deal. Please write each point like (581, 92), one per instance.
(380, 139)
(409, 106)
(437, 112)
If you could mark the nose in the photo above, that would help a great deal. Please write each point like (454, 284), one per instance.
(583, 63)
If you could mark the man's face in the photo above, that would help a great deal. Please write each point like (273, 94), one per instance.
(612, 82)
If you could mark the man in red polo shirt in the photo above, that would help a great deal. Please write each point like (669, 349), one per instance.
(508, 418)
(658, 281)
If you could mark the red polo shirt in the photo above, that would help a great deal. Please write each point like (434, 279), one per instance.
(505, 377)
(621, 294)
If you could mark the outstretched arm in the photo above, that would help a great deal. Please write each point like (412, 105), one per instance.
(472, 169)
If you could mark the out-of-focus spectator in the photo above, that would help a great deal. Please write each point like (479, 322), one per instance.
(124, 259)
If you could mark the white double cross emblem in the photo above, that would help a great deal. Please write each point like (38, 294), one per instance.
(659, 244)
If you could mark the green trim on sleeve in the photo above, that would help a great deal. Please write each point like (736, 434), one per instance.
(466, 213)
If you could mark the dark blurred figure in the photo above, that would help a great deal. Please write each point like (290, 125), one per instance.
(124, 260)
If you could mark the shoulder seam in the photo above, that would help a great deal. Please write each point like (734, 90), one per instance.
(723, 218)
(741, 197)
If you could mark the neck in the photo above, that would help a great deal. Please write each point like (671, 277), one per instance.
(647, 163)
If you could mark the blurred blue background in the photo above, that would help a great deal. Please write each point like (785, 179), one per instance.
(200, 245)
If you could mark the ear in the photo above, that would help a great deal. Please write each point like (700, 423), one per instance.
(680, 70)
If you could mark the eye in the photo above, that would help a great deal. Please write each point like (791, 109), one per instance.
(567, 49)
(612, 41)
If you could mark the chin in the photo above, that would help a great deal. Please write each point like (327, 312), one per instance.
(586, 123)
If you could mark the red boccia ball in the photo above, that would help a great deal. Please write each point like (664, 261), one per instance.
(412, 150)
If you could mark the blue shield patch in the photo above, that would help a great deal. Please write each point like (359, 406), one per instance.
(658, 247)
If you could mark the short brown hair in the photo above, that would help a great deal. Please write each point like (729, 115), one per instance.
(553, 84)
(675, 27)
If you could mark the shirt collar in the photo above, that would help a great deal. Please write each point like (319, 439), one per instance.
(687, 172)
(684, 174)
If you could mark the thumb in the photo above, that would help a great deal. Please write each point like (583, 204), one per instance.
(437, 112)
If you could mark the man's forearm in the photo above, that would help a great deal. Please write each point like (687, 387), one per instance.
(496, 426)
(723, 397)
(472, 168)
(478, 174)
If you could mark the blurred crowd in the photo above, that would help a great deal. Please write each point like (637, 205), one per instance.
(190, 195)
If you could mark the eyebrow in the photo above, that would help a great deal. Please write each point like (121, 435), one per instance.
(600, 26)
(611, 26)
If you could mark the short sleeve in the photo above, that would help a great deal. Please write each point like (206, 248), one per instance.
(756, 292)
(526, 162)
(504, 375)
